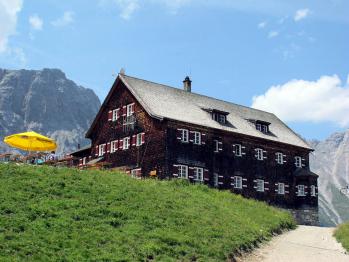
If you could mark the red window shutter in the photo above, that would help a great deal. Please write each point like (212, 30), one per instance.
(179, 134)
(206, 176)
(175, 171)
(80, 162)
(124, 110)
(191, 173)
(203, 138)
(116, 144)
(96, 152)
(108, 147)
(133, 141)
(191, 136)
(142, 138)
(121, 143)
(110, 115)
(220, 145)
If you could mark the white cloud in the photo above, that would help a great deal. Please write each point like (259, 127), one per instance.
(8, 20)
(128, 7)
(66, 19)
(36, 22)
(301, 14)
(323, 100)
(262, 24)
(273, 34)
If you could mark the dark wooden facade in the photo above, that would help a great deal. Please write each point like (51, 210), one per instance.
(161, 152)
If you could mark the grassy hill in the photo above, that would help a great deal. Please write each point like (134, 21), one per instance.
(342, 235)
(70, 215)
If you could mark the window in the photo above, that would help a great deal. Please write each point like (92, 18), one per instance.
(183, 171)
(197, 138)
(262, 127)
(260, 185)
(298, 161)
(115, 114)
(101, 150)
(238, 151)
(238, 182)
(313, 190)
(301, 190)
(219, 118)
(216, 146)
(215, 180)
(281, 188)
(184, 136)
(259, 154)
(113, 146)
(139, 139)
(198, 174)
(279, 158)
(130, 109)
(126, 143)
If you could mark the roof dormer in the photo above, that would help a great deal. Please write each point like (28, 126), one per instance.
(260, 125)
(217, 115)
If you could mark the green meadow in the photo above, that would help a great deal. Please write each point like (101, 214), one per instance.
(61, 214)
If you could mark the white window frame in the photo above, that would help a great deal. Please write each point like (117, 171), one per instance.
(101, 150)
(262, 128)
(84, 160)
(279, 158)
(298, 161)
(301, 190)
(238, 182)
(215, 179)
(126, 143)
(184, 135)
(129, 111)
(216, 145)
(281, 188)
(313, 190)
(135, 171)
(113, 146)
(238, 149)
(260, 185)
(259, 152)
(115, 115)
(198, 174)
(139, 139)
(197, 138)
(183, 171)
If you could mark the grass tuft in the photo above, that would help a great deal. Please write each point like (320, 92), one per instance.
(342, 235)
(70, 215)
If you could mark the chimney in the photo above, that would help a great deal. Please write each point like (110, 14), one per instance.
(78, 146)
(187, 84)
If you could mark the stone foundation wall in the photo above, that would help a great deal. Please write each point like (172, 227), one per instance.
(306, 215)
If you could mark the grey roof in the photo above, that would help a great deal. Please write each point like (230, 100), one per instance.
(162, 101)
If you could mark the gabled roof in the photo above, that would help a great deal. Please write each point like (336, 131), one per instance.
(165, 102)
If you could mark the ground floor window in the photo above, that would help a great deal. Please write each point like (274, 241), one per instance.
(281, 188)
(136, 173)
(260, 185)
(198, 174)
(301, 190)
(313, 190)
(182, 171)
(238, 182)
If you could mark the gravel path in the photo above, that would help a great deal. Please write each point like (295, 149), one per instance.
(306, 243)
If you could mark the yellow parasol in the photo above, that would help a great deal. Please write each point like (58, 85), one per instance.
(31, 141)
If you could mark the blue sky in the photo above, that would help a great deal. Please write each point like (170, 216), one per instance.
(288, 57)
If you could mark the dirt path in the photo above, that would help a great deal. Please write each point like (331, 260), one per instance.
(308, 244)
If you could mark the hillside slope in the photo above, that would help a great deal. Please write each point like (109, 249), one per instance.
(71, 215)
(47, 102)
(331, 161)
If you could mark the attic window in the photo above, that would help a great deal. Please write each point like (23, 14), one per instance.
(220, 118)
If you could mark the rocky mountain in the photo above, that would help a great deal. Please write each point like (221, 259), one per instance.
(47, 102)
(330, 161)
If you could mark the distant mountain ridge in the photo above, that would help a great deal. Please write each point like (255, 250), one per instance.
(330, 161)
(47, 102)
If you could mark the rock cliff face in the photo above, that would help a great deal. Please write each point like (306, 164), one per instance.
(330, 161)
(47, 102)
